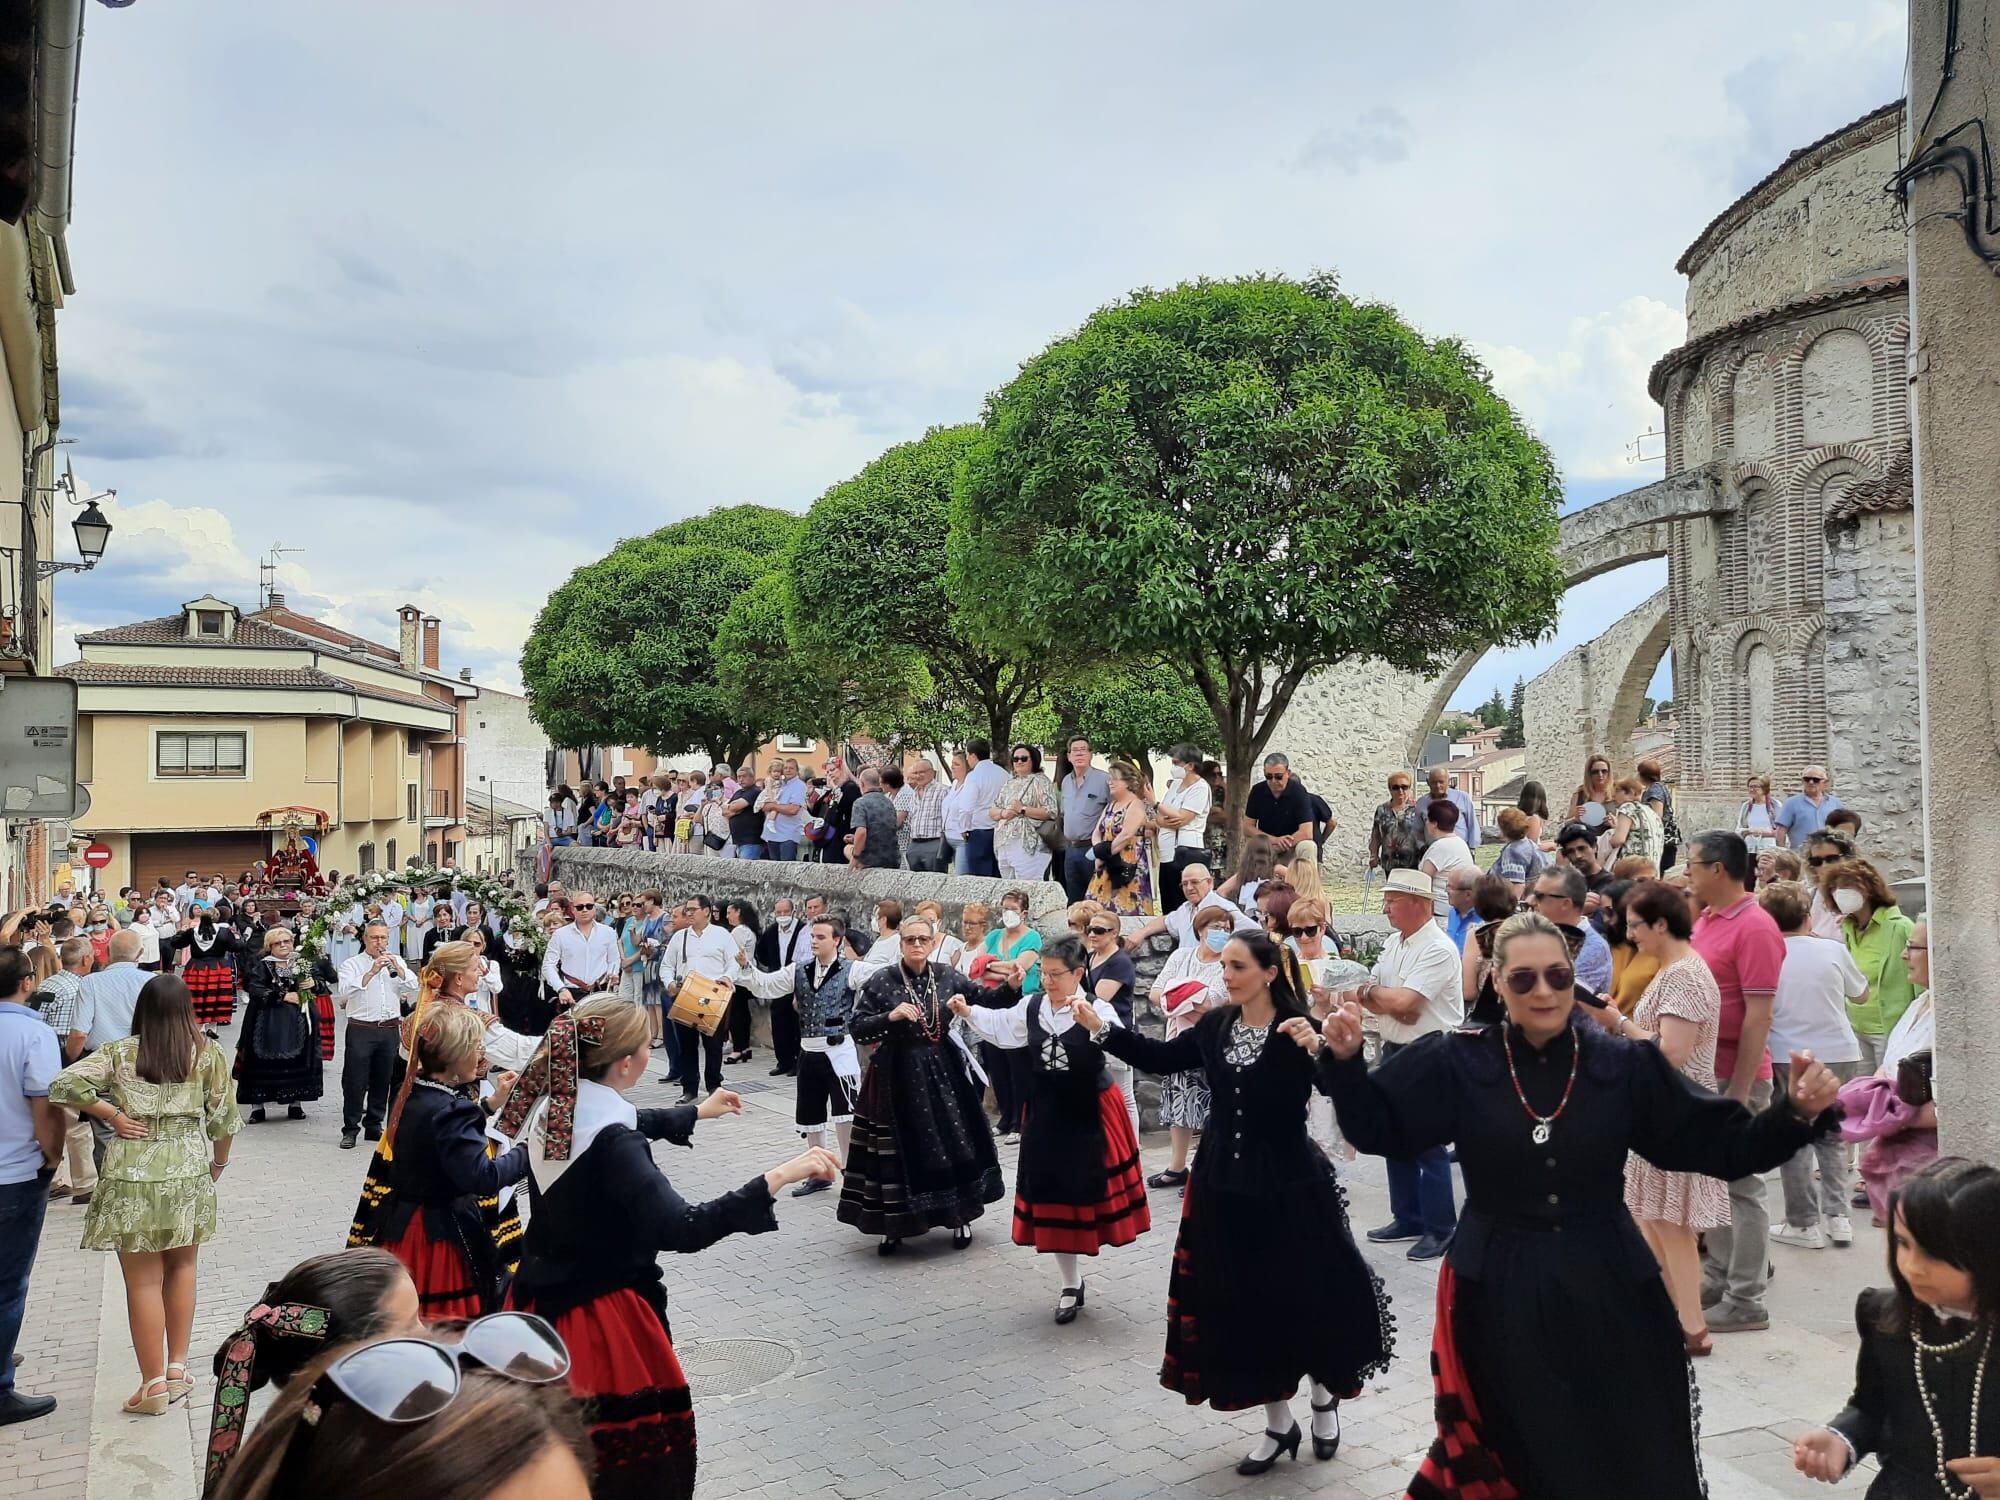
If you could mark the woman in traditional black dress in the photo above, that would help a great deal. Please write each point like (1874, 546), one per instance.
(1262, 1196)
(211, 974)
(603, 1214)
(1077, 1187)
(1550, 1297)
(922, 1155)
(278, 1057)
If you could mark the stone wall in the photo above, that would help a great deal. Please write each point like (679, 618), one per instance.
(1347, 729)
(1871, 685)
(1820, 217)
(1585, 703)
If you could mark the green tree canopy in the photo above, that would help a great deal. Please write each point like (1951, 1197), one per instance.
(768, 676)
(1514, 735)
(1253, 480)
(623, 651)
(1131, 712)
(870, 570)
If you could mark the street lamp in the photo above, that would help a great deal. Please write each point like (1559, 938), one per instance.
(93, 530)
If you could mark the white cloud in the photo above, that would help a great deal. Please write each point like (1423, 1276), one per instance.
(1376, 137)
(1587, 396)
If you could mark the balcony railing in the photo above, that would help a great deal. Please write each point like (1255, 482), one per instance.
(441, 808)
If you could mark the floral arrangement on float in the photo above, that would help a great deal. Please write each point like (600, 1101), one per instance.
(517, 917)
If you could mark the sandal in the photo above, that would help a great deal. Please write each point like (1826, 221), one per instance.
(150, 1403)
(179, 1387)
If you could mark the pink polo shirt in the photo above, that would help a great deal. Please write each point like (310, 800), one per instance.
(1744, 951)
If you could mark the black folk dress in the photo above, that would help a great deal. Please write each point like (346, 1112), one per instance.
(1551, 1301)
(921, 1155)
(1244, 1323)
(278, 1058)
(1886, 1414)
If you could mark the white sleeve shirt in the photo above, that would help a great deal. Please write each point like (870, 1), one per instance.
(377, 999)
(594, 957)
(1429, 962)
(712, 951)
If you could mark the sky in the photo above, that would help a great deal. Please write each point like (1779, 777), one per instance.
(445, 300)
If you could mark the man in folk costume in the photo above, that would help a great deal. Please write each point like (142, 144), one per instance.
(829, 1068)
(604, 1213)
(583, 957)
(923, 1155)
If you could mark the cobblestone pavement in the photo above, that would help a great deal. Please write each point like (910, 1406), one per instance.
(935, 1368)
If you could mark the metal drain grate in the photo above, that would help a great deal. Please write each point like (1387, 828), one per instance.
(733, 1367)
(757, 1086)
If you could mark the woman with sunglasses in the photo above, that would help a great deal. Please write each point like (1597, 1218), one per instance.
(1025, 806)
(603, 1215)
(1077, 1188)
(1588, 803)
(1109, 979)
(322, 1303)
(1262, 1197)
(425, 1206)
(1550, 1296)
(484, 1418)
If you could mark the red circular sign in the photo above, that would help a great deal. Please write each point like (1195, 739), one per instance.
(97, 856)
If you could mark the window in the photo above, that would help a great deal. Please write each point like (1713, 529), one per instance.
(410, 815)
(791, 744)
(208, 621)
(392, 854)
(179, 753)
(365, 857)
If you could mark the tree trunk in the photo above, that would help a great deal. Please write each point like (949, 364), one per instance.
(1238, 757)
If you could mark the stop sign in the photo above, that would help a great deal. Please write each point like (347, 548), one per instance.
(97, 856)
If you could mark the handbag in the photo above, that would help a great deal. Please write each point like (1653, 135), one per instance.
(713, 837)
(1051, 829)
(701, 1002)
(1913, 1079)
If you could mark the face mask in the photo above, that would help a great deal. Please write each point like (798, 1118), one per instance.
(1849, 901)
(1010, 919)
(1216, 939)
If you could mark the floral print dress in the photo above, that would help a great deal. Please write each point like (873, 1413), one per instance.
(153, 1194)
(1135, 898)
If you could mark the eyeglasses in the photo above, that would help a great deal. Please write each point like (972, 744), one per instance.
(1522, 981)
(1816, 860)
(1312, 931)
(1274, 776)
(1096, 931)
(911, 942)
(1538, 896)
(1022, 760)
(1812, 780)
(583, 906)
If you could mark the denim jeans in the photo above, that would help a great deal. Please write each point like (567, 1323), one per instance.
(22, 1206)
(782, 849)
(961, 860)
(979, 852)
(749, 851)
(1420, 1189)
(1078, 866)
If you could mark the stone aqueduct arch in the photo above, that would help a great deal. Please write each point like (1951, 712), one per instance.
(1629, 528)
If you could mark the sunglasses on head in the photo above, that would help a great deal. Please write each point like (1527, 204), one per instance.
(1522, 981)
(412, 1380)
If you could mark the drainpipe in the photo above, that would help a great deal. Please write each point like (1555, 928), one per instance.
(61, 41)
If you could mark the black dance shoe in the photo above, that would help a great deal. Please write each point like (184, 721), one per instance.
(888, 1247)
(1288, 1442)
(295, 1112)
(257, 1115)
(812, 1185)
(1325, 1448)
(1168, 1177)
(1070, 1303)
(961, 1237)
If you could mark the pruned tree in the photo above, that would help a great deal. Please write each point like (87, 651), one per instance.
(1253, 480)
(768, 675)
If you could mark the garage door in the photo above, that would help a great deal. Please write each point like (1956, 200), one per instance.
(174, 854)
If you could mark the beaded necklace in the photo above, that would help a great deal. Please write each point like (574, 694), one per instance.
(1918, 1349)
(922, 991)
(1543, 1123)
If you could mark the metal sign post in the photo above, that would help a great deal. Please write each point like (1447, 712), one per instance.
(38, 733)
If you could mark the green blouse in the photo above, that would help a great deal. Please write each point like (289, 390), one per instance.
(1878, 953)
(181, 1118)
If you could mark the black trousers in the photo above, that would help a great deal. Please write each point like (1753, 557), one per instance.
(365, 1075)
(703, 1053)
(737, 1023)
(1172, 898)
(785, 1032)
(1012, 1071)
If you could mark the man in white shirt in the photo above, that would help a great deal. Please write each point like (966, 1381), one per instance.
(829, 1068)
(702, 946)
(1198, 893)
(1417, 990)
(583, 957)
(371, 988)
(983, 784)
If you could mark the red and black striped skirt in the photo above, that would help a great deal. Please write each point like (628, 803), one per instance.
(1118, 1218)
(632, 1395)
(212, 989)
(447, 1288)
(1461, 1461)
(323, 1011)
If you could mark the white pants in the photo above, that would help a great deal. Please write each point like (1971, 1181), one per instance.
(1121, 1074)
(1019, 864)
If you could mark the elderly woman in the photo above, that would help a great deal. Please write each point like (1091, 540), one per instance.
(975, 920)
(278, 1053)
(1189, 986)
(1019, 813)
(1825, 847)
(1876, 931)
(1899, 1124)
(1396, 836)
(1535, 1325)
(1123, 840)
(1636, 831)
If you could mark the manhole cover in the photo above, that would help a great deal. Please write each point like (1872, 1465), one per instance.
(733, 1367)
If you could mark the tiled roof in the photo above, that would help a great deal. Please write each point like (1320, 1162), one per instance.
(129, 674)
(1837, 294)
(1808, 156)
(1895, 490)
(171, 630)
(290, 619)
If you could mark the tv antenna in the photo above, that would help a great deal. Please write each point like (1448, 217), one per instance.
(1648, 447)
(267, 573)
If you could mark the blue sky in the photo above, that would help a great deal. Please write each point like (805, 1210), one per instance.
(448, 299)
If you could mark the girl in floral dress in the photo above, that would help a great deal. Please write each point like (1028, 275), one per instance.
(166, 1092)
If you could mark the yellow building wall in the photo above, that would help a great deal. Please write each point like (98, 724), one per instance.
(125, 792)
(323, 760)
(386, 757)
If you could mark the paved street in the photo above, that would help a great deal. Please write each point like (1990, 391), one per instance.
(936, 1369)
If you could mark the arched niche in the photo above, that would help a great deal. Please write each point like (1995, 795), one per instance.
(1836, 389)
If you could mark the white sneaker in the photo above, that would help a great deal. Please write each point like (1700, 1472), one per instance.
(1800, 1238)
(1840, 1231)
